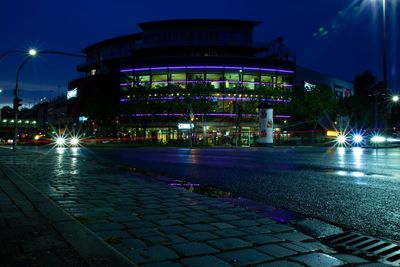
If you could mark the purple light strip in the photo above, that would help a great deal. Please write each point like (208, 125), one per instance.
(200, 114)
(208, 67)
(210, 98)
(207, 81)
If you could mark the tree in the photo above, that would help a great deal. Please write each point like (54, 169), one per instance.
(366, 107)
(310, 106)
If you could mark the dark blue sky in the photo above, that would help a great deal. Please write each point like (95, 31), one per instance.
(341, 38)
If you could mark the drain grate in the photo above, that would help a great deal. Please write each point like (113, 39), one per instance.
(362, 245)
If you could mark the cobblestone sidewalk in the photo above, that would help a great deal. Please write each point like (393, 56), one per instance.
(156, 225)
(27, 239)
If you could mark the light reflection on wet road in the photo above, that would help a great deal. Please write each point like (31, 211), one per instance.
(356, 188)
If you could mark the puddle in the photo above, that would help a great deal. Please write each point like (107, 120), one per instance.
(277, 214)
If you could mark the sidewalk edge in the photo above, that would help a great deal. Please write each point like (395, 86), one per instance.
(94, 250)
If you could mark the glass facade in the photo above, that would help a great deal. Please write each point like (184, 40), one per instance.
(224, 79)
(217, 99)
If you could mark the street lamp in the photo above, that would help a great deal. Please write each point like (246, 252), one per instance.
(17, 100)
(395, 98)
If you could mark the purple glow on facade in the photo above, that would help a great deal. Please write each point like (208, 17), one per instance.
(183, 184)
(207, 81)
(208, 67)
(200, 114)
(169, 98)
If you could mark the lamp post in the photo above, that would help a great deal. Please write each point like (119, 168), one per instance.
(17, 100)
(384, 60)
(395, 102)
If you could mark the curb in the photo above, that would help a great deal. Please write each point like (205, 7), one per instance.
(94, 250)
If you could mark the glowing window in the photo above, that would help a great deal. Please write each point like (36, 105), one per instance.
(266, 79)
(178, 76)
(195, 77)
(232, 76)
(215, 77)
(159, 78)
(143, 78)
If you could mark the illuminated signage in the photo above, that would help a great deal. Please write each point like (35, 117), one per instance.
(332, 133)
(83, 119)
(309, 86)
(185, 126)
(73, 93)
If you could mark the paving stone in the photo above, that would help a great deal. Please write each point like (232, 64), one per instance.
(140, 232)
(198, 219)
(203, 261)
(350, 258)
(227, 217)
(139, 224)
(318, 259)
(277, 228)
(297, 247)
(152, 254)
(148, 212)
(153, 206)
(281, 263)
(195, 213)
(229, 243)
(174, 229)
(164, 239)
(194, 249)
(262, 229)
(152, 217)
(125, 219)
(213, 212)
(163, 264)
(294, 236)
(244, 257)
(176, 209)
(262, 239)
(222, 225)
(113, 234)
(315, 246)
(265, 221)
(277, 251)
(168, 222)
(133, 243)
(201, 227)
(199, 236)
(96, 227)
(229, 233)
(243, 223)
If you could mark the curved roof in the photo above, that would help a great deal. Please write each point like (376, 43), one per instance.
(175, 22)
(113, 41)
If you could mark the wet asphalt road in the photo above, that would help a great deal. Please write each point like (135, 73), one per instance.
(355, 187)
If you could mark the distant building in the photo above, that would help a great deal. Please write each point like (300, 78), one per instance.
(178, 77)
(308, 79)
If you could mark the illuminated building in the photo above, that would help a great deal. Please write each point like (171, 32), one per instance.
(202, 72)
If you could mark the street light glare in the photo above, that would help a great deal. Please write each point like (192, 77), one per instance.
(32, 52)
(60, 141)
(74, 141)
(357, 138)
(395, 98)
(341, 139)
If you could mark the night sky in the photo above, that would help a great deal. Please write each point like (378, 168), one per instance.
(341, 38)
